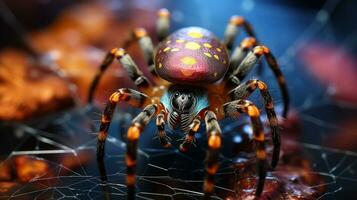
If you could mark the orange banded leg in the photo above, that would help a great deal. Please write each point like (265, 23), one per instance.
(243, 91)
(133, 97)
(233, 109)
(146, 47)
(133, 135)
(239, 54)
(129, 65)
(163, 24)
(160, 124)
(251, 59)
(232, 30)
(190, 136)
(214, 144)
(145, 43)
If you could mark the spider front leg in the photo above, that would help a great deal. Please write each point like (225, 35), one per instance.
(214, 145)
(234, 109)
(232, 30)
(133, 135)
(243, 91)
(249, 62)
(130, 96)
(160, 124)
(129, 65)
(189, 138)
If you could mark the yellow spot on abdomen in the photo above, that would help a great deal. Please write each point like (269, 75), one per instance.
(207, 54)
(192, 45)
(219, 50)
(166, 49)
(188, 60)
(180, 41)
(207, 45)
(216, 57)
(195, 34)
(175, 49)
(160, 65)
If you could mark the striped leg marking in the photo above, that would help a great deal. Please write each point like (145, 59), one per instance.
(249, 62)
(129, 65)
(133, 97)
(243, 91)
(239, 54)
(133, 135)
(214, 144)
(160, 124)
(233, 109)
(146, 47)
(190, 136)
(145, 43)
(232, 30)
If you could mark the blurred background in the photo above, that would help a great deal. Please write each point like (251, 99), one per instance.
(50, 52)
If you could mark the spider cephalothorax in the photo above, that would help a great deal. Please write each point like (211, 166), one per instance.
(183, 104)
(196, 78)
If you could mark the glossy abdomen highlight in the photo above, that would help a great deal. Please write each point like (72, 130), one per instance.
(191, 55)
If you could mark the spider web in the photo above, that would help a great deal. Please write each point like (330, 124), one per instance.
(167, 173)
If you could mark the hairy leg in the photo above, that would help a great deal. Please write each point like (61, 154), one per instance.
(133, 135)
(240, 53)
(133, 97)
(190, 136)
(232, 30)
(249, 62)
(234, 109)
(160, 124)
(129, 65)
(214, 144)
(243, 91)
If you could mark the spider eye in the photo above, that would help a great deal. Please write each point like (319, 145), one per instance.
(176, 94)
(190, 96)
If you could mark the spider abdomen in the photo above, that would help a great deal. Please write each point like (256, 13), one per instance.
(191, 55)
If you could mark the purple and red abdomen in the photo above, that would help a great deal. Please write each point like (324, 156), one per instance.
(191, 55)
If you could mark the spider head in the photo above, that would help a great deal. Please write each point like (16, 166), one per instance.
(183, 101)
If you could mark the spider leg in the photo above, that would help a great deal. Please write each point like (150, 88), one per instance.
(248, 63)
(133, 97)
(133, 135)
(127, 62)
(239, 53)
(190, 136)
(243, 91)
(233, 109)
(163, 24)
(146, 46)
(160, 124)
(214, 144)
(232, 30)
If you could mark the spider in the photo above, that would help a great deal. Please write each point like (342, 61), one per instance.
(195, 80)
